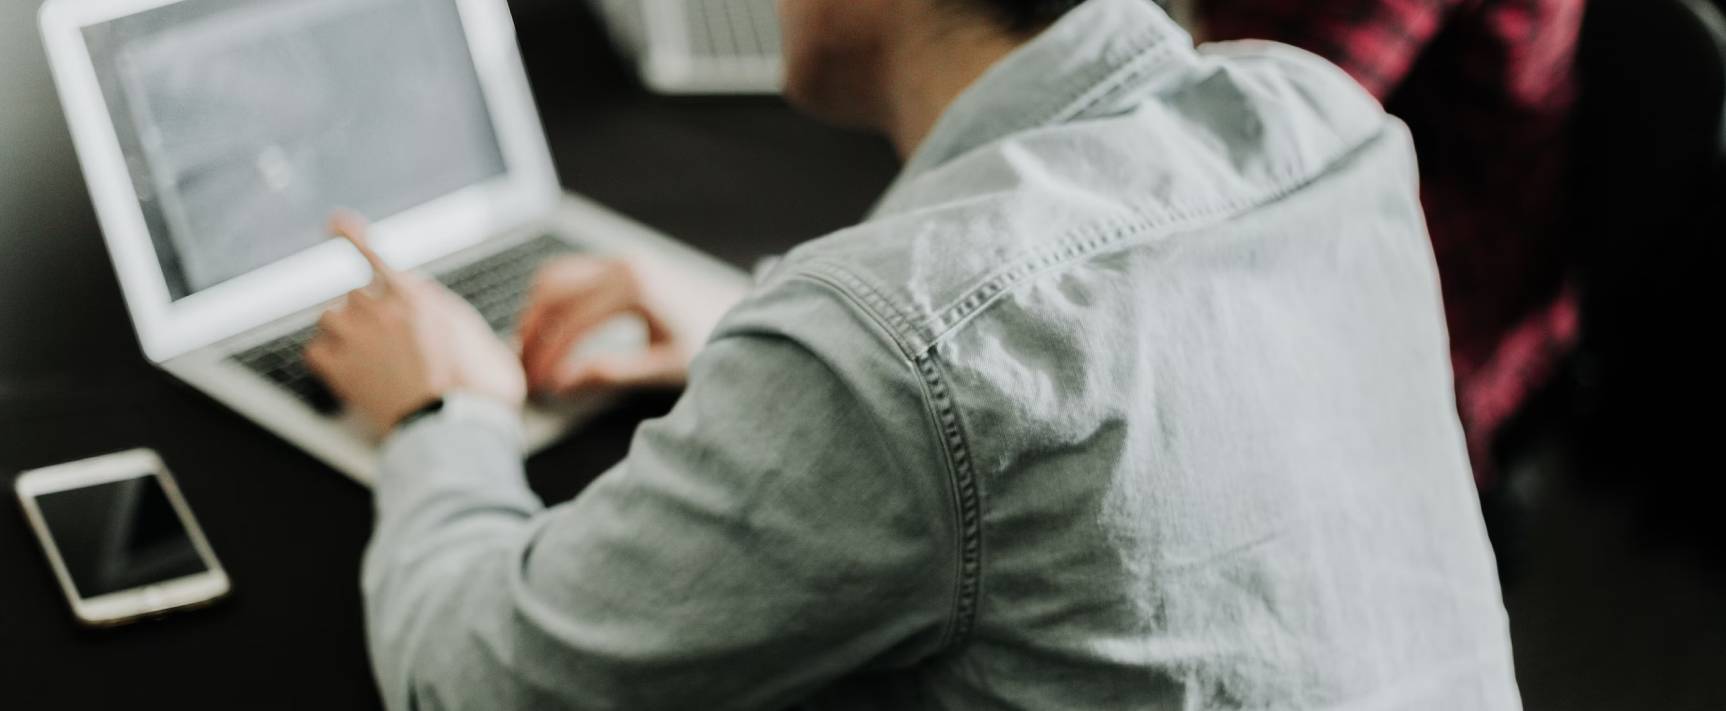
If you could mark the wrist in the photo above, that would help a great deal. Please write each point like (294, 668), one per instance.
(465, 408)
(431, 407)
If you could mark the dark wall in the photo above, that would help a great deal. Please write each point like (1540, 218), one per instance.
(56, 284)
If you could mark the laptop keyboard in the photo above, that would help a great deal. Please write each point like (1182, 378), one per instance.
(733, 28)
(496, 286)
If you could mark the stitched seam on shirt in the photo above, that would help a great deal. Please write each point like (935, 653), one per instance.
(966, 497)
(1120, 73)
(1114, 71)
(1089, 239)
(915, 337)
(898, 320)
(938, 402)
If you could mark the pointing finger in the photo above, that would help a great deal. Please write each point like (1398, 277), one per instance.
(353, 228)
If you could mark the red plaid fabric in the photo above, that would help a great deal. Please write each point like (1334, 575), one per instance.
(1486, 87)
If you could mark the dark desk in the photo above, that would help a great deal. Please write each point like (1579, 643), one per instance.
(740, 178)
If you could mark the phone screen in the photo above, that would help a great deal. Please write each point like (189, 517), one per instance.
(119, 535)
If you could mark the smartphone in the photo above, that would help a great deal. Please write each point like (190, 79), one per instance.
(120, 538)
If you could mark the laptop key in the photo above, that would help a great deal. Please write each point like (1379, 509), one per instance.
(496, 286)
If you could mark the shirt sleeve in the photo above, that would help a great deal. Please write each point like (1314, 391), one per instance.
(759, 542)
(1375, 41)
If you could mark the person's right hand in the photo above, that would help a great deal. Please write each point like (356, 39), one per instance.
(573, 296)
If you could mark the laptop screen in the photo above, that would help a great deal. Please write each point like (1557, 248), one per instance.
(244, 123)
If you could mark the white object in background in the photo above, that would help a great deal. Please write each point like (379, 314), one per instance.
(700, 46)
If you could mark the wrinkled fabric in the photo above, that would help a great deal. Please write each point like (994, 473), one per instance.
(1488, 88)
(1132, 394)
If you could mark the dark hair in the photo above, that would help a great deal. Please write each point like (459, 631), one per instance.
(1023, 15)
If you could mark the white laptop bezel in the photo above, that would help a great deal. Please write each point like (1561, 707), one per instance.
(167, 328)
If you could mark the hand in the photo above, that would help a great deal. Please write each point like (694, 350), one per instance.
(403, 342)
(571, 297)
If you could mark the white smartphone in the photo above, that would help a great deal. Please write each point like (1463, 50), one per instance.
(120, 538)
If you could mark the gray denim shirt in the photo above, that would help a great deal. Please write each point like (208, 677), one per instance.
(1133, 394)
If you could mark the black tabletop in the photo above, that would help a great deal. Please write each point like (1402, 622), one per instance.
(741, 178)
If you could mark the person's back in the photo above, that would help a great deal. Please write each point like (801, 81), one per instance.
(1133, 393)
(1181, 329)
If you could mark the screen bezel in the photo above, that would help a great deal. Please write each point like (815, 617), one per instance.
(149, 599)
(168, 328)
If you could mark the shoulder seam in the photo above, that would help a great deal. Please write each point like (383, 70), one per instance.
(965, 504)
(870, 299)
(916, 335)
(917, 345)
(1086, 240)
(967, 499)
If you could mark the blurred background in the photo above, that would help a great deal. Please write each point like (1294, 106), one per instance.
(1575, 167)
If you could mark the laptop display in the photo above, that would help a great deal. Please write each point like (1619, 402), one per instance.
(245, 122)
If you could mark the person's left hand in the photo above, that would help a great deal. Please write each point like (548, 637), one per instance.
(405, 341)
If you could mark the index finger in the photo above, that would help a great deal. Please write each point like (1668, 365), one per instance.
(352, 228)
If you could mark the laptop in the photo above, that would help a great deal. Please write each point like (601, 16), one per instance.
(699, 46)
(216, 136)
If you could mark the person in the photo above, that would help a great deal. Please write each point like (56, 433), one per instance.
(1131, 393)
(1489, 89)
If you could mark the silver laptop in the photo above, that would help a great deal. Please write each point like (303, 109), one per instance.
(699, 46)
(217, 135)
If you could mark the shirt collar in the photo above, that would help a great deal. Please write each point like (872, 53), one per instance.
(1077, 68)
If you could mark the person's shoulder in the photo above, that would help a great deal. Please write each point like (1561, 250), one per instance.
(1250, 124)
(902, 275)
(830, 293)
(1292, 87)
